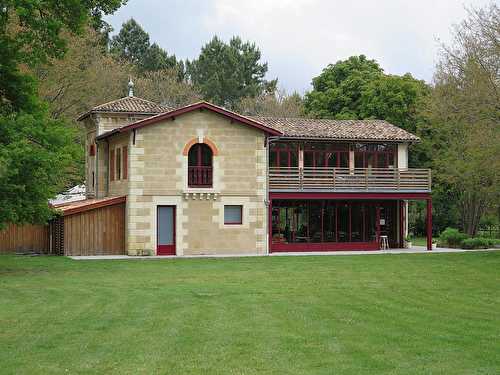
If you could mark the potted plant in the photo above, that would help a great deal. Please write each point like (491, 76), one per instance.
(408, 243)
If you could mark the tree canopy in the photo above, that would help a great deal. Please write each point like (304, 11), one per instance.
(463, 116)
(226, 73)
(132, 44)
(337, 91)
(358, 88)
(36, 152)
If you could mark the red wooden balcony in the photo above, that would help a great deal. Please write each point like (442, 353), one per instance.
(200, 177)
(327, 179)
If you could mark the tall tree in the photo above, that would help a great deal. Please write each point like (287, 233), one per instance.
(463, 114)
(337, 91)
(132, 44)
(85, 77)
(278, 104)
(164, 87)
(226, 73)
(36, 152)
(394, 98)
(357, 88)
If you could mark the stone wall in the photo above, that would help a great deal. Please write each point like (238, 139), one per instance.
(158, 176)
(119, 186)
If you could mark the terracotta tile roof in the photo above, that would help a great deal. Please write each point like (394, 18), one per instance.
(366, 130)
(87, 204)
(128, 104)
(190, 108)
(377, 130)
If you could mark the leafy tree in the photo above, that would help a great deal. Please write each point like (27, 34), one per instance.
(463, 114)
(337, 91)
(36, 153)
(157, 59)
(87, 76)
(278, 104)
(357, 88)
(132, 45)
(226, 73)
(164, 86)
(394, 98)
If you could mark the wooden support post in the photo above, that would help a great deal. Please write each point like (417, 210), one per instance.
(401, 225)
(429, 224)
(270, 226)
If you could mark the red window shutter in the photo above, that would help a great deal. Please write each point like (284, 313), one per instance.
(125, 162)
(112, 165)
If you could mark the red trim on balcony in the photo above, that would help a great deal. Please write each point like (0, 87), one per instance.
(411, 196)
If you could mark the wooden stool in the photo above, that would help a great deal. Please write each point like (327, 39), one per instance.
(384, 242)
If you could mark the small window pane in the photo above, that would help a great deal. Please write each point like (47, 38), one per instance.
(233, 214)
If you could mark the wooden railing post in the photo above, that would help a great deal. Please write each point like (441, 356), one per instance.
(331, 178)
(301, 178)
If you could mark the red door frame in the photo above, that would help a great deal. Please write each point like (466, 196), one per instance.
(166, 249)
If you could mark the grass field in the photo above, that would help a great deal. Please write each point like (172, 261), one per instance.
(377, 314)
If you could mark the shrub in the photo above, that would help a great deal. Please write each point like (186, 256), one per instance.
(478, 243)
(451, 237)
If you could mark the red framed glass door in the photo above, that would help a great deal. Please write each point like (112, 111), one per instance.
(165, 237)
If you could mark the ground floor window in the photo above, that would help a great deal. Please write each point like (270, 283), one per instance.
(318, 221)
(233, 214)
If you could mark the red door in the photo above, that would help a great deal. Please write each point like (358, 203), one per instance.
(165, 225)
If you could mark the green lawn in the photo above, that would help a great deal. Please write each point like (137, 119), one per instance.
(378, 314)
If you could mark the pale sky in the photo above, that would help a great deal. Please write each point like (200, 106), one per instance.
(298, 38)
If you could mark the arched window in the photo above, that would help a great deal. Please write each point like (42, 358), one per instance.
(200, 166)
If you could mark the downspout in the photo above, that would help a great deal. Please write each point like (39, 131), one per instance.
(107, 162)
(96, 178)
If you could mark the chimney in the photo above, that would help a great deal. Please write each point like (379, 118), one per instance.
(130, 87)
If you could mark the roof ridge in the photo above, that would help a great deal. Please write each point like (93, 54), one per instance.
(124, 98)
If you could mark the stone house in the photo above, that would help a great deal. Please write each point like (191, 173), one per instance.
(203, 180)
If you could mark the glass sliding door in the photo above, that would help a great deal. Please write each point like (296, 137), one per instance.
(331, 224)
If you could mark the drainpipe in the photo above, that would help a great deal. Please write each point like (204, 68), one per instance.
(107, 162)
(96, 167)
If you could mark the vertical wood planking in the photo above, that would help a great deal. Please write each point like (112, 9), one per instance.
(17, 238)
(100, 231)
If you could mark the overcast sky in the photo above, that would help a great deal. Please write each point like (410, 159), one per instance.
(298, 38)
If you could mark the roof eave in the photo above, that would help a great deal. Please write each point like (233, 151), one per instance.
(192, 107)
(350, 139)
(88, 113)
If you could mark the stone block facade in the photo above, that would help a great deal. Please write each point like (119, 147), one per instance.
(158, 166)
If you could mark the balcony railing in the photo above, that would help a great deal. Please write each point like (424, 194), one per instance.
(200, 176)
(349, 180)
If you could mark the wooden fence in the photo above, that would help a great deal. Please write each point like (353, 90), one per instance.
(25, 238)
(95, 229)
